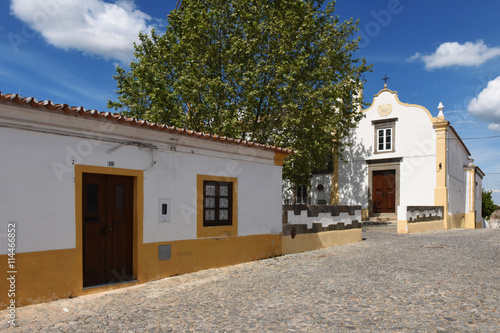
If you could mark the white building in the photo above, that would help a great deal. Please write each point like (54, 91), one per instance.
(403, 157)
(99, 199)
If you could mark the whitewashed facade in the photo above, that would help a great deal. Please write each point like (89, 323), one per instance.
(48, 150)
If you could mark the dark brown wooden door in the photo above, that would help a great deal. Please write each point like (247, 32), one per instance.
(107, 229)
(384, 191)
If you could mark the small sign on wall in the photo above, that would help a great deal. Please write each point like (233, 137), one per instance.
(164, 210)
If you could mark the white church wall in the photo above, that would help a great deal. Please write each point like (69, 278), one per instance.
(414, 143)
(457, 159)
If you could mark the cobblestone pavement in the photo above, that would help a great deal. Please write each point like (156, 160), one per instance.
(444, 281)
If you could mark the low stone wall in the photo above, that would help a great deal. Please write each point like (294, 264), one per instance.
(420, 218)
(315, 241)
(326, 215)
(307, 228)
(424, 213)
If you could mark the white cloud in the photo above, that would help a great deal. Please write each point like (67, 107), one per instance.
(494, 127)
(456, 54)
(487, 104)
(91, 26)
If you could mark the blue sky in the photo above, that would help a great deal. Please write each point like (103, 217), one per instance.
(433, 51)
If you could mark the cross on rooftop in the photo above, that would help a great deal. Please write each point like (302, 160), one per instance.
(385, 79)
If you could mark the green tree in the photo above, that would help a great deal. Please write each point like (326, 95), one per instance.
(278, 72)
(488, 207)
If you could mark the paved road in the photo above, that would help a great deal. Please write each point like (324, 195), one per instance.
(445, 281)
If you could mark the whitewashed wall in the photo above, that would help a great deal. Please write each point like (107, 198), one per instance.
(457, 159)
(326, 181)
(478, 198)
(38, 189)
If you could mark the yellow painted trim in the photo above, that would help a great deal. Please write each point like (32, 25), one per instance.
(399, 102)
(279, 158)
(43, 276)
(204, 253)
(315, 241)
(49, 275)
(441, 199)
(334, 194)
(219, 231)
(402, 227)
(470, 223)
(441, 190)
(425, 226)
(365, 214)
(138, 176)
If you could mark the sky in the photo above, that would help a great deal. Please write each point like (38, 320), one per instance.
(432, 50)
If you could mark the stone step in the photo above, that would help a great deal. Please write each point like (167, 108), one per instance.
(383, 219)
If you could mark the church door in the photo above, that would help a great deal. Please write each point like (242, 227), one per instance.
(384, 191)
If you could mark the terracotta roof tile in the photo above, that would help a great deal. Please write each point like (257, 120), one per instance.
(50, 106)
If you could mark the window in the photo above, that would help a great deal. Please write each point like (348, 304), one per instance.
(301, 195)
(217, 202)
(384, 139)
(384, 135)
(216, 207)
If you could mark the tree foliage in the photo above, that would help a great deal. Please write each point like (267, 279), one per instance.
(279, 72)
(488, 206)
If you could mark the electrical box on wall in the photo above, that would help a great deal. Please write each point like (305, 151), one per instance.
(164, 210)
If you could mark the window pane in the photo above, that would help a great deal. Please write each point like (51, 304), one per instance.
(210, 190)
(388, 137)
(381, 146)
(119, 199)
(223, 203)
(92, 198)
(223, 214)
(223, 191)
(209, 202)
(210, 214)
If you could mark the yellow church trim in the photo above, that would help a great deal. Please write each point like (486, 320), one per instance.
(441, 189)
(334, 194)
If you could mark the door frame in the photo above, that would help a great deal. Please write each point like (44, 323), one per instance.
(138, 213)
(382, 165)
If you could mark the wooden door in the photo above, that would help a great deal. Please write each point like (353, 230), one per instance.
(107, 229)
(384, 191)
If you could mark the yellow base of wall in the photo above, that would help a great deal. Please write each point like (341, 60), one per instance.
(49, 275)
(407, 228)
(315, 241)
(470, 222)
(479, 225)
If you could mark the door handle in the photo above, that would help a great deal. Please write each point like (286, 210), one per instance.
(109, 228)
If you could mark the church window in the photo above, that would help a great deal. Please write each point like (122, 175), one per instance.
(384, 135)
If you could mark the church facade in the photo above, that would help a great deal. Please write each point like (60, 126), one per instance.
(401, 158)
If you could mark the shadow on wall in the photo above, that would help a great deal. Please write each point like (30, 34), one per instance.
(353, 177)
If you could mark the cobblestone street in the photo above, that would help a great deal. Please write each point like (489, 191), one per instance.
(446, 281)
